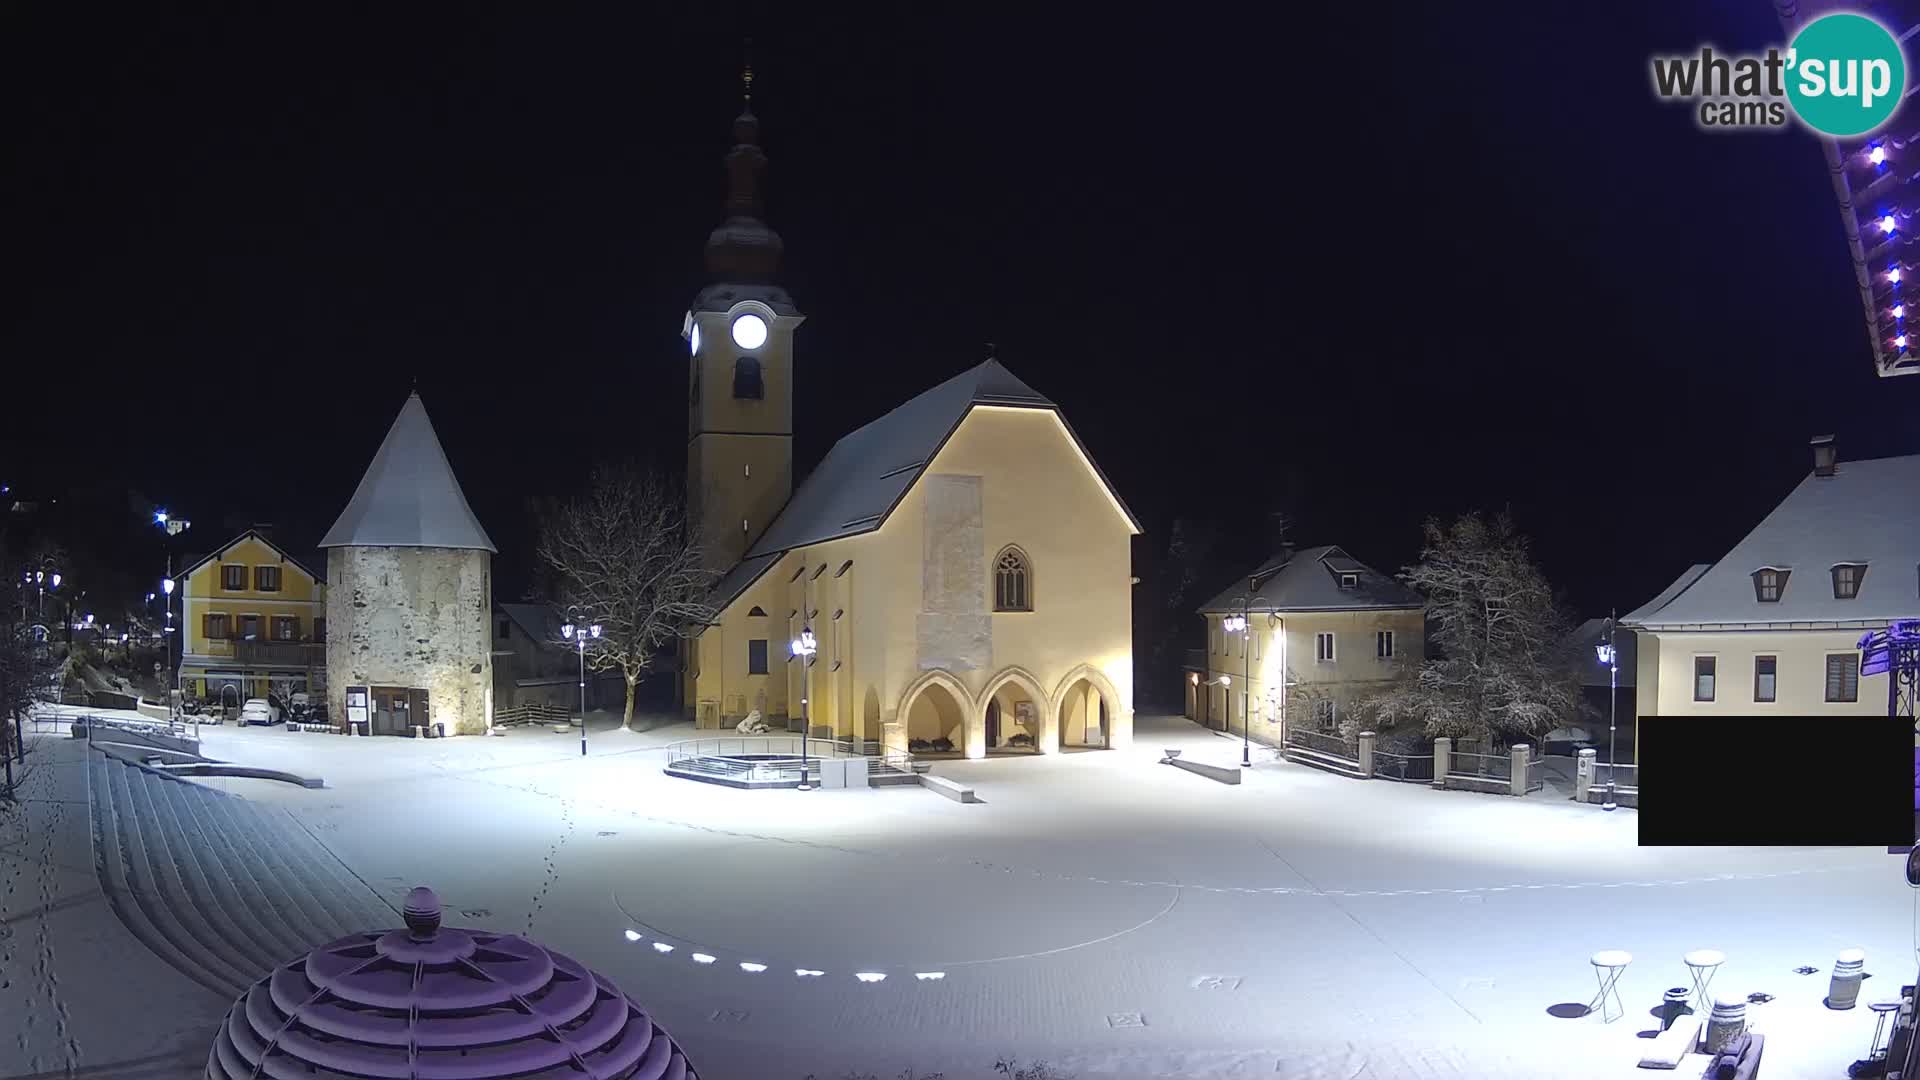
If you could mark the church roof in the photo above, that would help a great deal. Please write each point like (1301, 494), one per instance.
(409, 497)
(869, 471)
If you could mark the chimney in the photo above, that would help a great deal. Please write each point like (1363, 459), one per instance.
(1825, 455)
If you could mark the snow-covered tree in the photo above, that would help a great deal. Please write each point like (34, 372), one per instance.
(623, 556)
(1506, 670)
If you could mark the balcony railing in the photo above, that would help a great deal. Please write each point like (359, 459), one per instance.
(266, 653)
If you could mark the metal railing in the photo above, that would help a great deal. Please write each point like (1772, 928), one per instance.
(1480, 766)
(1536, 773)
(760, 746)
(1626, 779)
(1413, 768)
(1321, 742)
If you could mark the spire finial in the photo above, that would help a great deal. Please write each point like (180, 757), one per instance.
(746, 74)
(992, 353)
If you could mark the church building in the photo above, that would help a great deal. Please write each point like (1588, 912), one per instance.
(954, 577)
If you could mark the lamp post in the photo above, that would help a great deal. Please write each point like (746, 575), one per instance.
(579, 634)
(1610, 658)
(803, 648)
(173, 678)
(1239, 624)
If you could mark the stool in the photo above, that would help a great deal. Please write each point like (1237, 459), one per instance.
(1607, 966)
(1702, 963)
(1881, 1010)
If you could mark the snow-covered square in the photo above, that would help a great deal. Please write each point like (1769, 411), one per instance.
(1099, 911)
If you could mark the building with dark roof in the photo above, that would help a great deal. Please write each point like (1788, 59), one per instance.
(410, 607)
(960, 566)
(253, 623)
(1322, 630)
(1774, 625)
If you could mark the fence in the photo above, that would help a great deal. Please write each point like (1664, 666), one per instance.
(1323, 743)
(533, 712)
(1413, 768)
(768, 747)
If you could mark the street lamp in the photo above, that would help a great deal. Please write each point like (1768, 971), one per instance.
(579, 635)
(1608, 656)
(804, 647)
(1237, 624)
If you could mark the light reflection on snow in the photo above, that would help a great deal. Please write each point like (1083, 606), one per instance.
(925, 975)
(702, 958)
(753, 967)
(661, 946)
(633, 935)
(808, 973)
(869, 976)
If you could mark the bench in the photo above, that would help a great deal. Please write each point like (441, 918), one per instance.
(1226, 774)
(957, 792)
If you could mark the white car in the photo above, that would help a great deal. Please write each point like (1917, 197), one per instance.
(259, 711)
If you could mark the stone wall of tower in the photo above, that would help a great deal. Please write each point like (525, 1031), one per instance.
(413, 617)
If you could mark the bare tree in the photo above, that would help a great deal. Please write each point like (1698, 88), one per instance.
(1505, 670)
(622, 554)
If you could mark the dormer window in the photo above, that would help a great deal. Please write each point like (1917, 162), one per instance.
(1349, 581)
(1847, 578)
(1769, 582)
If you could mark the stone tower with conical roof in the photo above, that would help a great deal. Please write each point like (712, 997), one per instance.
(410, 593)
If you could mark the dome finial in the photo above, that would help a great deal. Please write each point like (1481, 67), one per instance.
(422, 914)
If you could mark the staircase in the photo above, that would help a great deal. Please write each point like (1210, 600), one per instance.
(1325, 762)
(222, 889)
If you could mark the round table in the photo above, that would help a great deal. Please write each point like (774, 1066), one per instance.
(1702, 963)
(1607, 966)
(1881, 1010)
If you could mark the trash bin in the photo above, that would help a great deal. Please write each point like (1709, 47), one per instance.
(1675, 1006)
(1844, 990)
(1728, 1022)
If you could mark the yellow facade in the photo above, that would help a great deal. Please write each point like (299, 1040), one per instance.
(1275, 672)
(878, 674)
(251, 619)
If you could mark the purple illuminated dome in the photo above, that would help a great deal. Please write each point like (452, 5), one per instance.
(440, 1003)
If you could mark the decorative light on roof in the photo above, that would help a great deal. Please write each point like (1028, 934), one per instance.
(1899, 311)
(1900, 342)
(1877, 155)
(1893, 274)
(1887, 223)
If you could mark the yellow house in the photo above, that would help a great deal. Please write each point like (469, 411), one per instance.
(1322, 630)
(960, 566)
(253, 621)
(1775, 625)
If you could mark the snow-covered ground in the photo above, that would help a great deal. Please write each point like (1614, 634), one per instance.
(1113, 916)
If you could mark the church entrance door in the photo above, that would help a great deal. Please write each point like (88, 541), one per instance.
(993, 724)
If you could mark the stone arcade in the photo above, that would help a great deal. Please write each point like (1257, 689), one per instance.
(411, 594)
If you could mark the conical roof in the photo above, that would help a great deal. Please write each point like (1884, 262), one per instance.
(409, 497)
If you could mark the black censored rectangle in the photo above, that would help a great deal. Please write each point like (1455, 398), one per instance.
(1793, 781)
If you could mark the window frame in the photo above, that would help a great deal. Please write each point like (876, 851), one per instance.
(208, 622)
(764, 657)
(259, 577)
(1712, 675)
(1827, 686)
(1384, 638)
(227, 571)
(1022, 574)
(275, 622)
(240, 622)
(1330, 655)
(1773, 691)
(1858, 578)
(1779, 586)
(1349, 580)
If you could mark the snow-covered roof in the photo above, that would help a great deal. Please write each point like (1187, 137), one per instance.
(869, 471)
(409, 497)
(539, 622)
(1309, 580)
(1867, 513)
(1680, 584)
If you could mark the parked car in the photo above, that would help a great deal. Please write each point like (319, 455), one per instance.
(259, 711)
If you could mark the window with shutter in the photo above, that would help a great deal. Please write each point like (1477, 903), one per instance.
(1843, 677)
(233, 578)
(266, 579)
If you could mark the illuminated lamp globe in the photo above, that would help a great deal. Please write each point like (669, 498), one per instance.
(749, 331)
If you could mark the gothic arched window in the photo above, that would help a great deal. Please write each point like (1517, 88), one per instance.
(746, 378)
(1012, 581)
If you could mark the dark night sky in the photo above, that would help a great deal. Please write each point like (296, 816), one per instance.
(1421, 263)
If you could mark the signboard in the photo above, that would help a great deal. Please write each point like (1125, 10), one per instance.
(357, 711)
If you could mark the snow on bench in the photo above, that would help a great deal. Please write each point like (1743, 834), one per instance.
(957, 792)
(1226, 774)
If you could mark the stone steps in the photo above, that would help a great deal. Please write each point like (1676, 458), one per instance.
(220, 888)
(1324, 762)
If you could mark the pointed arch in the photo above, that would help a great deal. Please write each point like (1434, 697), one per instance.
(1012, 579)
(1099, 681)
(1022, 678)
(968, 714)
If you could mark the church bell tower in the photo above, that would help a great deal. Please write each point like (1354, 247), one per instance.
(739, 335)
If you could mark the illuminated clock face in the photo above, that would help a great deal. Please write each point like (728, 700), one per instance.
(693, 340)
(749, 331)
